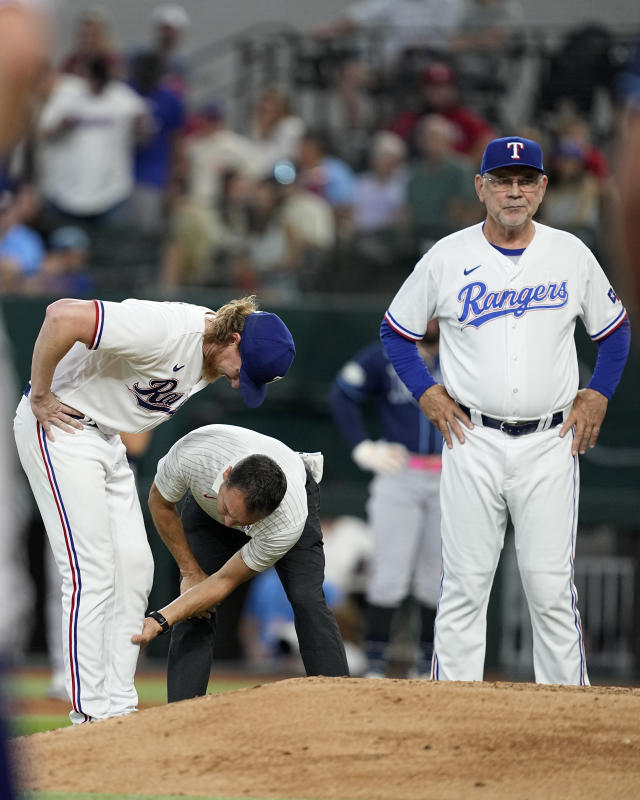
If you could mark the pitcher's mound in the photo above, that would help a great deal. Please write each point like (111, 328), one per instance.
(341, 738)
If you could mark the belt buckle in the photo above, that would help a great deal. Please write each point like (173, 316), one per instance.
(506, 423)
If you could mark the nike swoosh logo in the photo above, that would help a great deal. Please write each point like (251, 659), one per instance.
(466, 272)
(176, 368)
(211, 496)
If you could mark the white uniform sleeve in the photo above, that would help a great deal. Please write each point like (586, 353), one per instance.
(171, 479)
(265, 548)
(132, 330)
(602, 309)
(414, 304)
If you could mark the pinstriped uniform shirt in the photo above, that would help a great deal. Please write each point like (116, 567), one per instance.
(197, 463)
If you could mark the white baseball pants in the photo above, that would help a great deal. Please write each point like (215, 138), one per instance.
(535, 479)
(89, 504)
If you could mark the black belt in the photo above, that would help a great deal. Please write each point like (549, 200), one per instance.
(515, 428)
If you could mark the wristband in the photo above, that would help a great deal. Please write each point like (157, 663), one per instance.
(160, 619)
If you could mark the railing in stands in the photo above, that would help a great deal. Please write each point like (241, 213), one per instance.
(533, 67)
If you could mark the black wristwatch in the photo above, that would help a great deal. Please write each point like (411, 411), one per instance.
(160, 619)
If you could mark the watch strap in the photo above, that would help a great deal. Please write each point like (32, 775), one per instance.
(160, 619)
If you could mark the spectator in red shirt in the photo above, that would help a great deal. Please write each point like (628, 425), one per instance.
(439, 95)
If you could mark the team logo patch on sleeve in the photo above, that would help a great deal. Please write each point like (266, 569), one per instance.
(612, 296)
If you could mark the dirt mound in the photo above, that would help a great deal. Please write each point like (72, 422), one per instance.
(344, 738)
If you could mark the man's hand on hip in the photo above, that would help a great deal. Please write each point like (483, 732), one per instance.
(49, 411)
(444, 413)
(587, 413)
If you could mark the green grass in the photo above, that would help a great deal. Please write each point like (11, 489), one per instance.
(152, 690)
(21, 685)
(24, 725)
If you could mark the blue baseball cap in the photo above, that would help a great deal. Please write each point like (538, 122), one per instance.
(511, 151)
(267, 351)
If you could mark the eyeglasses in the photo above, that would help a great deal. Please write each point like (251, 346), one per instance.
(503, 183)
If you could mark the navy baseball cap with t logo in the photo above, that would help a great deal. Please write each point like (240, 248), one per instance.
(511, 151)
(267, 351)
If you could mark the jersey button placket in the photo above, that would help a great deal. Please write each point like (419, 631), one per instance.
(513, 366)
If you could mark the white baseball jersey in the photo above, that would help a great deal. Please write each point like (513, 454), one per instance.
(506, 329)
(90, 168)
(197, 463)
(144, 362)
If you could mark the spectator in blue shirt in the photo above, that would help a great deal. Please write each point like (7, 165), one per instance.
(65, 270)
(155, 158)
(21, 248)
(326, 175)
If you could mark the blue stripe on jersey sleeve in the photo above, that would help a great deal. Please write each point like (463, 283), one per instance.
(610, 327)
(400, 329)
(99, 324)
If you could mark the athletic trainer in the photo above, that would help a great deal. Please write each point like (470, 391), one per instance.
(250, 503)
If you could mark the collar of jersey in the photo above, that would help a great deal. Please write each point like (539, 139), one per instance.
(219, 479)
(506, 251)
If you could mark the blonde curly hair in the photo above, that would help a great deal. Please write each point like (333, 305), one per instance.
(230, 319)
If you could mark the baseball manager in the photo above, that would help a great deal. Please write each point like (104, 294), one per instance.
(507, 293)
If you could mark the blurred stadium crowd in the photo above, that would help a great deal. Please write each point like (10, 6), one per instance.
(335, 179)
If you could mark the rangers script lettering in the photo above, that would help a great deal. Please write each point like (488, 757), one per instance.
(480, 306)
(159, 396)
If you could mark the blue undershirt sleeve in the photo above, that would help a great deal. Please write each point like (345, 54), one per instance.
(406, 361)
(613, 351)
